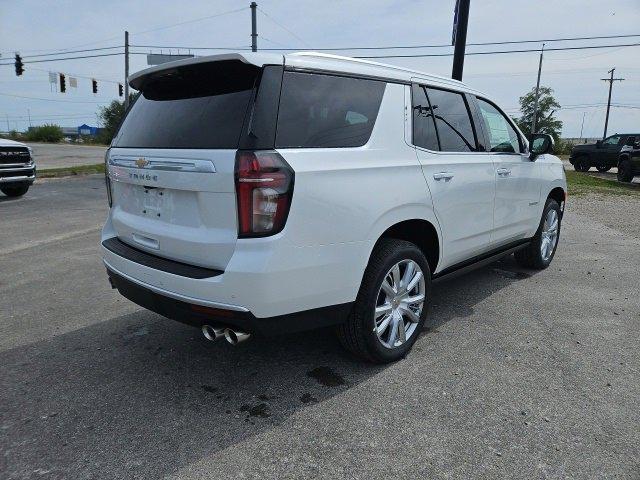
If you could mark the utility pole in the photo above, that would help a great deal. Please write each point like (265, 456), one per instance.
(534, 121)
(582, 126)
(126, 70)
(29, 115)
(8, 127)
(254, 27)
(610, 80)
(461, 20)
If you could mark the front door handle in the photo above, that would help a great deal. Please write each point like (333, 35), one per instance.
(503, 172)
(443, 176)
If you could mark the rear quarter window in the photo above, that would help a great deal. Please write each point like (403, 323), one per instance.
(324, 111)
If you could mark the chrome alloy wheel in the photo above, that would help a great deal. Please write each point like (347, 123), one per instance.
(549, 236)
(399, 303)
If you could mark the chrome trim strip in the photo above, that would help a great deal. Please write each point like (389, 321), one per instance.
(16, 166)
(177, 296)
(16, 179)
(177, 165)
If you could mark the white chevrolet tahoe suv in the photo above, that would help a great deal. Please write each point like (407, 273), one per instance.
(17, 168)
(260, 194)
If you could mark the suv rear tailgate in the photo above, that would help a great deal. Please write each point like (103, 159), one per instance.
(178, 204)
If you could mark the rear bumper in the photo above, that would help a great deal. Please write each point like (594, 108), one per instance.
(184, 310)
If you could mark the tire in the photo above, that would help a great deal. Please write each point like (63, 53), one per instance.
(532, 256)
(358, 334)
(625, 171)
(602, 168)
(15, 190)
(581, 164)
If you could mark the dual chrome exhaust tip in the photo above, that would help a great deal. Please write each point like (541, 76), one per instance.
(234, 337)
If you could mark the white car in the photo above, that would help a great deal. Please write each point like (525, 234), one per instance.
(256, 193)
(17, 168)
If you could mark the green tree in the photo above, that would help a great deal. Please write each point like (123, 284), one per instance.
(547, 106)
(111, 116)
(45, 133)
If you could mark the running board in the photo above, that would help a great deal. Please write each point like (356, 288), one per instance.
(480, 260)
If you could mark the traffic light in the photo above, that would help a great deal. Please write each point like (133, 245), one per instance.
(120, 92)
(19, 65)
(94, 86)
(63, 83)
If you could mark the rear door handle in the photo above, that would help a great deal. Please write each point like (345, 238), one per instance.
(443, 176)
(503, 172)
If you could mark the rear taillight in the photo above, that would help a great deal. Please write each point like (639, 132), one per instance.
(264, 186)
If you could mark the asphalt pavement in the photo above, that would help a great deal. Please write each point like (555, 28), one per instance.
(519, 374)
(58, 155)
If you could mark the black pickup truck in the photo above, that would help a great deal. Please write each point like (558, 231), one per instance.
(604, 154)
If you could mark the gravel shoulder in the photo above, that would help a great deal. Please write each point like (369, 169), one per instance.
(619, 212)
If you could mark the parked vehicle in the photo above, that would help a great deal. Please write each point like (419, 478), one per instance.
(603, 154)
(256, 193)
(629, 160)
(17, 168)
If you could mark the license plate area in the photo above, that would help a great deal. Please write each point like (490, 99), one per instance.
(153, 199)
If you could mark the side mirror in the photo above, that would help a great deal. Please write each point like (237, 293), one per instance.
(599, 144)
(540, 144)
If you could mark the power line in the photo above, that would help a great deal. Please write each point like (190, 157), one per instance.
(189, 21)
(51, 99)
(68, 58)
(396, 47)
(72, 51)
(193, 48)
(293, 34)
(53, 115)
(586, 47)
(490, 52)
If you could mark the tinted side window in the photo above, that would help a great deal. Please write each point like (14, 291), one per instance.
(452, 121)
(612, 140)
(502, 136)
(327, 111)
(424, 129)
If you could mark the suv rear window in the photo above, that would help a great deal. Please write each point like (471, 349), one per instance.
(323, 111)
(196, 106)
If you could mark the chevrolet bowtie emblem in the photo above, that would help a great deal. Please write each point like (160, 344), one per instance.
(142, 162)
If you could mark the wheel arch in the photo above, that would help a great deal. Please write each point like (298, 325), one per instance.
(423, 233)
(558, 194)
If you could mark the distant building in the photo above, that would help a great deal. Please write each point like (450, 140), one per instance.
(70, 132)
(85, 129)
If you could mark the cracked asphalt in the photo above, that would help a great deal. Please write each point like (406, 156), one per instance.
(519, 374)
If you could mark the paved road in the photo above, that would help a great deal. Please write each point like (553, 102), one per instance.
(519, 374)
(55, 155)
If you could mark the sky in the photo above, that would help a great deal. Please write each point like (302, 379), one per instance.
(40, 27)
